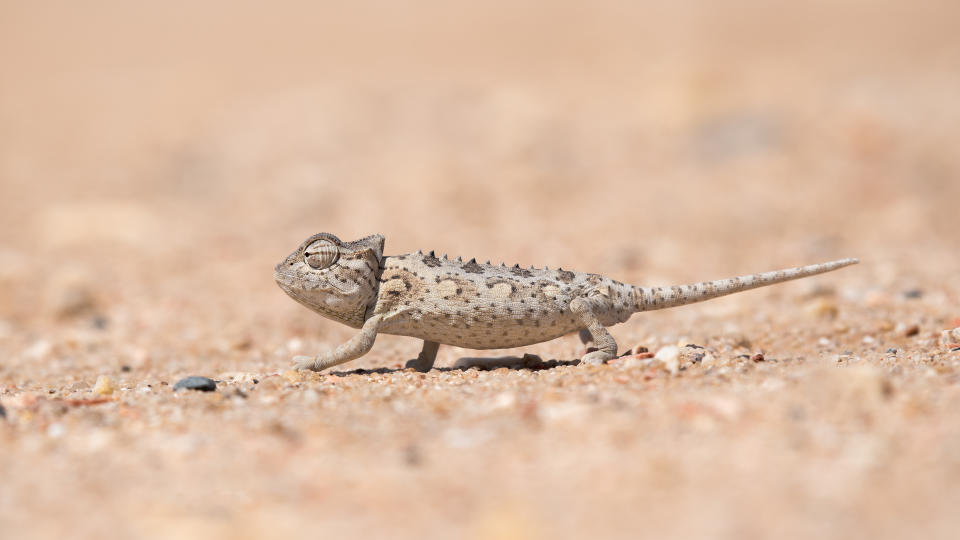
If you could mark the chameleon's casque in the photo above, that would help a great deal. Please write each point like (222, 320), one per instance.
(471, 304)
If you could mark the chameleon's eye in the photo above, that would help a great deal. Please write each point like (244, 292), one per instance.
(321, 254)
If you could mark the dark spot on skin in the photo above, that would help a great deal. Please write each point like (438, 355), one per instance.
(517, 271)
(565, 276)
(472, 267)
(431, 260)
(459, 290)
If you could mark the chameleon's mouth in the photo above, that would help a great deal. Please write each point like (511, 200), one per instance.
(295, 285)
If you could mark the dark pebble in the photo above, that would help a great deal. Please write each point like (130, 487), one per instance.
(125, 368)
(692, 346)
(202, 384)
(955, 349)
(892, 350)
(757, 357)
(100, 322)
(640, 350)
(913, 293)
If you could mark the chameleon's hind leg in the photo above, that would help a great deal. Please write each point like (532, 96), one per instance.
(602, 340)
(426, 358)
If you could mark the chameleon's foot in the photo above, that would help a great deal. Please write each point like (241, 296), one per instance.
(419, 364)
(306, 362)
(595, 358)
(424, 361)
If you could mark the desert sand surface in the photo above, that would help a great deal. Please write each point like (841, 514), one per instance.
(157, 161)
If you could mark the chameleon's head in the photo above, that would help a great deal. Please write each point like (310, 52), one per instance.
(338, 280)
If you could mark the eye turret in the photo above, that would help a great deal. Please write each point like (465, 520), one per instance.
(321, 254)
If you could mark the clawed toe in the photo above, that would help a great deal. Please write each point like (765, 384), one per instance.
(595, 358)
(304, 362)
(420, 364)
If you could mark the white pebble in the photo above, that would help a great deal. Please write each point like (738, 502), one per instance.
(55, 431)
(669, 356)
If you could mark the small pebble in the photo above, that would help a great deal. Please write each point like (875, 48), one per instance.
(757, 357)
(911, 330)
(104, 386)
(822, 308)
(202, 384)
(670, 357)
(691, 354)
(708, 360)
(638, 350)
(292, 376)
(892, 350)
(913, 293)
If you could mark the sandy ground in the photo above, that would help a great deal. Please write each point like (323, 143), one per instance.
(155, 165)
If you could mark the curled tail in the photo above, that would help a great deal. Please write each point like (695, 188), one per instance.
(648, 299)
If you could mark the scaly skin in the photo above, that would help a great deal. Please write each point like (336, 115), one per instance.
(474, 305)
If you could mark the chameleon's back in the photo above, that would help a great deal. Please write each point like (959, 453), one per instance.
(484, 306)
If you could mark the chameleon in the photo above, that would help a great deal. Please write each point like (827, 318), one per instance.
(475, 305)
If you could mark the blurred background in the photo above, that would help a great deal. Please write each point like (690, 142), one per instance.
(158, 158)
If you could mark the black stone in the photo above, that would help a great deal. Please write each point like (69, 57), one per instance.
(913, 293)
(202, 384)
(892, 350)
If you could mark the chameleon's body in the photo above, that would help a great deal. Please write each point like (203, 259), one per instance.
(471, 304)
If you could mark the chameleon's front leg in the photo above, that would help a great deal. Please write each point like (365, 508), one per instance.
(354, 348)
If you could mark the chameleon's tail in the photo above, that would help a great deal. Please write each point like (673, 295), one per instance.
(648, 299)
